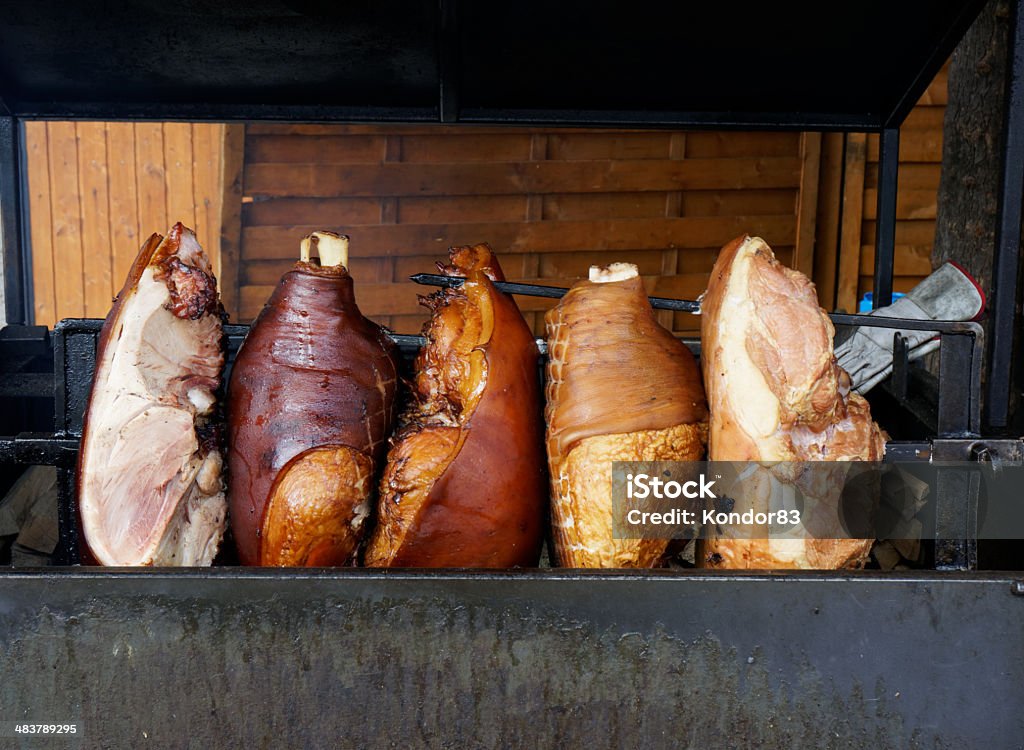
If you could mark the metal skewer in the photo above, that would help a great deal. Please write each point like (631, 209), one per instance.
(690, 306)
(537, 290)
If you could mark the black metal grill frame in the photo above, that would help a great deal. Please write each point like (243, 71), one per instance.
(956, 413)
(75, 343)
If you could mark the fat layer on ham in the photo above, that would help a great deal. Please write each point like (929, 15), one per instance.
(150, 468)
(777, 396)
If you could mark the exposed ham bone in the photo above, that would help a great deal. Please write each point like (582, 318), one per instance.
(150, 469)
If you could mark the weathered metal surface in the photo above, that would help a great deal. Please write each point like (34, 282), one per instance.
(270, 659)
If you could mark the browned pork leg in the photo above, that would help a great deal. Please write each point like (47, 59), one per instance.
(465, 484)
(311, 403)
(620, 388)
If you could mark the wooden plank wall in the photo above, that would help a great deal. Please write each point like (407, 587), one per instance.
(98, 189)
(551, 202)
(845, 245)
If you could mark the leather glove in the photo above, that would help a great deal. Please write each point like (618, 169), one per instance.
(948, 294)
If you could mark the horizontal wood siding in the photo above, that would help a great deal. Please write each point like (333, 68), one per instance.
(847, 209)
(550, 202)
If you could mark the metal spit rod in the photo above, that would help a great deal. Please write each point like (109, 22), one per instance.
(693, 306)
(538, 290)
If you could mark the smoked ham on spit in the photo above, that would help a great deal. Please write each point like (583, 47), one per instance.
(620, 388)
(776, 394)
(149, 471)
(465, 484)
(311, 403)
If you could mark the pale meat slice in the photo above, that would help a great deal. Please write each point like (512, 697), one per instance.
(150, 469)
(776, 394)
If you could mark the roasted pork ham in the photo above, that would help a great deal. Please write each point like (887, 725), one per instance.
(465, 484)
(620, 388)
(777, 395)
(149, 472)
(311, 403)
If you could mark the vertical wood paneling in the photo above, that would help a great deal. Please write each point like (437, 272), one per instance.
(229, 246)
(66, 219)
(94, 209)
(807, 201)
(96, 189)
(916, 203)
(125, 232)
(853, 208)
(179, 173)
(40, 221)
(152, 185)
(826, 240)
(206, 186)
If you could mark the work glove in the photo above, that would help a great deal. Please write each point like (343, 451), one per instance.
(948, 294)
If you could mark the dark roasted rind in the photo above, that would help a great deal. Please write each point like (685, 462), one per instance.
(311, 402)
(619, 388)
(777, 395)
(465, 483)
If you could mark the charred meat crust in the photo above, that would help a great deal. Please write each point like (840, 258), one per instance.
(193, 291)
(314, 268)
(211, 434)
(465, 484)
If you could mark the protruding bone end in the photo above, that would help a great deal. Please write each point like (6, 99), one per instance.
(613, 272)
(331, 248)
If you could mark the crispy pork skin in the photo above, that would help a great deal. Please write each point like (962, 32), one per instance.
(777, 395)
(619, 388)
(150, 469)
(311, 402)
(465, 484)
